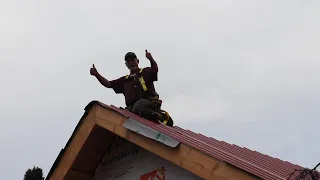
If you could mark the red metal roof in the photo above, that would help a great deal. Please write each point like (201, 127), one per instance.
(258, 164)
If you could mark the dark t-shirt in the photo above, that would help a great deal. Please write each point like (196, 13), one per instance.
(132, 90)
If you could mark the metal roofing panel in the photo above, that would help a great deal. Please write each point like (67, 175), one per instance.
(261, 165)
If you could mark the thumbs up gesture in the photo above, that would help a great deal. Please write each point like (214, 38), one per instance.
(93, 71)
(148, 55)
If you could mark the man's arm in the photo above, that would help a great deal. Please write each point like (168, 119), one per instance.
(103, 81)
(94, 72)
(117, 85)
(154, 65)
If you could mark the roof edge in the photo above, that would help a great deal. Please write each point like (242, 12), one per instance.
(87, 109)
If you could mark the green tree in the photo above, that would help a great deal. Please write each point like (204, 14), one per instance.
(34, 174)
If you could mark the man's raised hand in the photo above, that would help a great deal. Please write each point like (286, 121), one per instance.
(148, 55)
(93, 70)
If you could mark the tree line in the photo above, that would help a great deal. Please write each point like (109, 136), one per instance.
(35, 173)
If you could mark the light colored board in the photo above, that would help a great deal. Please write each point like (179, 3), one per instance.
(137, 127)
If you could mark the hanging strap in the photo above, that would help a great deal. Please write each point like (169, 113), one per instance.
(167, 117)
(143, 84)
(141, 80)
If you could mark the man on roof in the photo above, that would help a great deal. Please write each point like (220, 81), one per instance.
(138, 88)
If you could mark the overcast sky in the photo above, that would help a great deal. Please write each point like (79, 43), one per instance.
(245, 72)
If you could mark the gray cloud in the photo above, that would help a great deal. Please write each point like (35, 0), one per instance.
(249, 67)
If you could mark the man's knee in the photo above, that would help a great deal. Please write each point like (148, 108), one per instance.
(140, 105)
